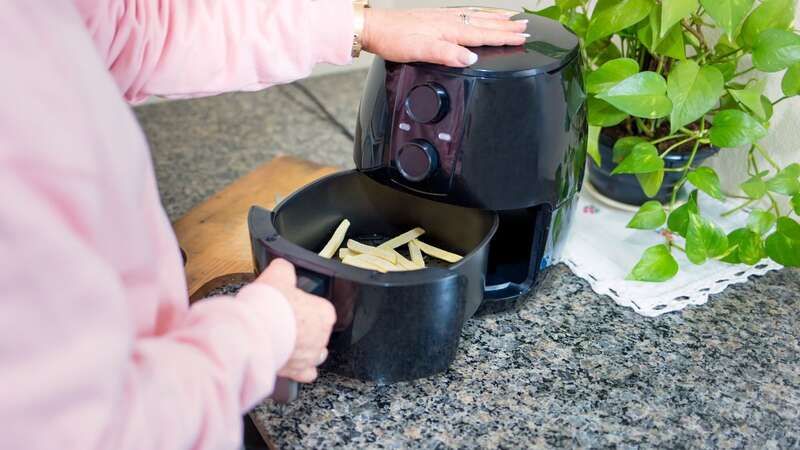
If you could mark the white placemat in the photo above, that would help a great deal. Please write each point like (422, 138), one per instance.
(602, 251)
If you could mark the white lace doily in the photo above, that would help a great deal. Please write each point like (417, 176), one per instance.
(602, 251)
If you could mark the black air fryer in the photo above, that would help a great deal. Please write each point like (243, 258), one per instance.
(488, 159)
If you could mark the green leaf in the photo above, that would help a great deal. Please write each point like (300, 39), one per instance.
(650, 33)
(551, 12)
(602, 114)
(651, 182)
(707, 180)
(755, 187)
(727, 69)
(575, 21)
(760, 221)
(592, 144)
(766, 104)
(769, 14)
(783, 250)
(784, 183)
(693, 91)
(704, 239)
(775, 50)
(656, 264)
(792, 170)
(610, 74)
(789, 228)
(678, 221)
(624, 146)
(791, 81)
(641, 95)
(749, 247)
(672, 11)
(728, 14)
(672, 44)
(750, 97)
(603, 50)
(650, 216)
(733, 128)
(643, 158)
(608, 20)
(796, 203)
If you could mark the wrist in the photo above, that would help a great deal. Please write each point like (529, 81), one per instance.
(366, 32)
(359, 12)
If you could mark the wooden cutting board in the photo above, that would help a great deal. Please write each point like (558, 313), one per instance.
(213, 235)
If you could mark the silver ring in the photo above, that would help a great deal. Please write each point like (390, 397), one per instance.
(464, 18)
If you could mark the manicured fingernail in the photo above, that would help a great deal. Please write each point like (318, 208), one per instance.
(471, 59)
(525, 35)
(521, 21)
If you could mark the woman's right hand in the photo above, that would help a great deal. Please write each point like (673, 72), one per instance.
(314, 318)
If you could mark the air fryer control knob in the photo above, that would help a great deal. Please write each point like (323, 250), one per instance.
(427, 103)
(417, 160)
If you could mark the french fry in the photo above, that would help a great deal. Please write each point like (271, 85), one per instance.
(358, 247)
(356, 262)
(344, 252)
(336, 240)
(402, 239)
(437, 252)
(381, 264)
(406, 263)
(416, 254)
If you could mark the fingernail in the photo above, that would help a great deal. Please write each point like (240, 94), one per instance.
(471, 59)
(525, 35)
(521, 21)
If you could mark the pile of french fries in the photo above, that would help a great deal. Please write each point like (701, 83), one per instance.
(385, 257)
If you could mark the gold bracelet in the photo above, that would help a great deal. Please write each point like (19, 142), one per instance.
(358, 26)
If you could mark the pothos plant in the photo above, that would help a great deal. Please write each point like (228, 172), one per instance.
(654, 76)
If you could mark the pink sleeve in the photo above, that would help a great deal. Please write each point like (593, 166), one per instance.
(184, 48)
(75, 375)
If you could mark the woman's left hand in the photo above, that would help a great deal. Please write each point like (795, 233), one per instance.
(438, 35)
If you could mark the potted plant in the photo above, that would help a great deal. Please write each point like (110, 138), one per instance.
(663, 95)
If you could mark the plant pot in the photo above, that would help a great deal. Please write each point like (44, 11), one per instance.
(625, 188)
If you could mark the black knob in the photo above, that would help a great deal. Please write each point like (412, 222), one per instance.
(427, 103)
(417, 160)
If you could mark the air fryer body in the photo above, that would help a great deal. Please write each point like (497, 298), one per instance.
(508, 135)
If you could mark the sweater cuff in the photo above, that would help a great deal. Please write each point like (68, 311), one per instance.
(273, 317)
(331, 22)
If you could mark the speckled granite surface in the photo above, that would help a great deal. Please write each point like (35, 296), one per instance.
(570, 368)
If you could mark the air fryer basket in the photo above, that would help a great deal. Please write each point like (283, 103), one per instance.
(393, 326)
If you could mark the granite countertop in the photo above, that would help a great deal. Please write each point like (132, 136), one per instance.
(569, 368)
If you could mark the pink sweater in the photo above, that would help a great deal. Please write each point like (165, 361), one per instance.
(98, 346)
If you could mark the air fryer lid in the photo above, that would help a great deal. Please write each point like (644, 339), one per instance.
(549, 47)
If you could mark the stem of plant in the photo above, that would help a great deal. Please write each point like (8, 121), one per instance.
(780, 100)
(676, 145)
(767, 157)
(774, 204)
(725, 55)
(672, 244)
(666, 138)
(743, 205)
(738, 74)
(688, 166)
(643, 127)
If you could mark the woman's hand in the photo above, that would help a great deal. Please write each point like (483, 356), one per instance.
(314, 317)
(437, 35)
